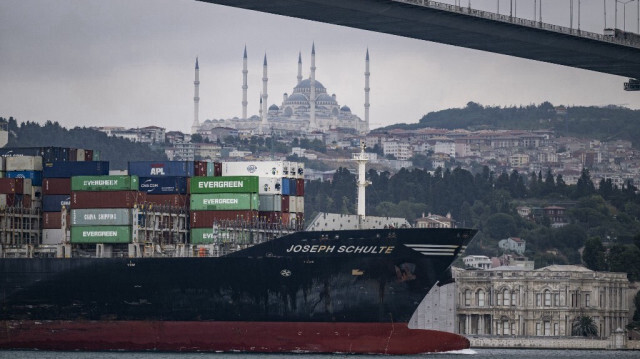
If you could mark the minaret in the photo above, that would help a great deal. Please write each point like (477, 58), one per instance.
(312, 98)
(264, 97)
(361, 158)
(366, 94)
(299, 67)
(196, 100)
(244, 84)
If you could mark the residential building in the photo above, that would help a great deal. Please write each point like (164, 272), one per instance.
(513, 244)
(480, 262)
(435, 221)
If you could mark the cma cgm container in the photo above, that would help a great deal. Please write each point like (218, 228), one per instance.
(173, 200)
(255, 168)
(224, 201)
(56, 186)
(161, 168)
(163, 185)
(104, 183)
(34, 176)
(101, 234)
(206, 219)
(71, 169)
(112, 199)
(101, 217)
(54, 203)
(230, 184)
(23, 163)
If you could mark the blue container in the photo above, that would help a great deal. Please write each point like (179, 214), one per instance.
(34, 176)
(69, 169)
(161, 168)
(163, 185)
(292, 187)
(286, 187)
(54, 203)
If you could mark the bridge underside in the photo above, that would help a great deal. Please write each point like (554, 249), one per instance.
(459, 30)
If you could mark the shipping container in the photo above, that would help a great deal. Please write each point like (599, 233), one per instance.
(104, 183)
(300, 171)
(270, 203)
(101, 217)
(284, 207)
(13, 185)
(15, 200)
(229, 184)
(206, 219)
(286, 186)
(224, 201)
(217, 169)
(163, 185)
(54, 203)
(293, 204)
(161, 168)
(101, 234)
(56, 186)
(300, 204)
(53, 220)
(71, 169)
(200, 168)
(113, 199)
(293, 189)
(254, 168)
(293, 169)
(53, 236)
(88, 155)
(23, 163)
(285, 168)
(73, 155)
(96, 155)
(80, 155)
(172, 200)
(34, 176)
(36, 193)
(21, 151)
(270, 185)
(300, 187)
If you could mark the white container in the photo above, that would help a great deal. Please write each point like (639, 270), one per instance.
(293, 169)
(270, 185)
(293, 204)
(52, 236)
(27, 188)
(118, 173)
(299, 204)
(23, 163)
(80, 155)
(253, 168)
(3, 200)
(36, 192)
(300, 171)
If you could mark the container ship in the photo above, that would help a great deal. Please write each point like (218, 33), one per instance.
(197, 256)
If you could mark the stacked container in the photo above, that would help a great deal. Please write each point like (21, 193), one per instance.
(164, 182)
(101, 208)
(14, 192)
(30, 169)
(230, 200)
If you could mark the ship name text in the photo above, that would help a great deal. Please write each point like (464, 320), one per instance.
(307, 248)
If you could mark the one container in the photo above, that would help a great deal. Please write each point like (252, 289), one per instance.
(53, 236)
(229, 184)
(292, 186)
(54, 203)
(293, 169)
(36, 193)
(284, 207)
(101, 217)
(161, 168)
(300, 187)
(56, 186)
(23, 163)
(172, 200)
(88, 155)
(286, 186)
(52, 220)
(12, 185)
(73, 154)
(80, 155)
(205, 236)
(254, 168)
(270, 185)
(104, 183)
(214, 169)
(71, 169)
(224, 201)
(206, 219)
(34, 176)
(200, 168)
(299, 204)
(270, 203)
(163, 185)
(300, 171)
(112, 199)
(100, 234)
(293, 204)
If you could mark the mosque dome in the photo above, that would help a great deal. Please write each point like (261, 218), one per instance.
(305, 86)
(345, 108)
(323, 97)
(297, 97)
(274, 107)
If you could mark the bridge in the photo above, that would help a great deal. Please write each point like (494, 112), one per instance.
(616, 53)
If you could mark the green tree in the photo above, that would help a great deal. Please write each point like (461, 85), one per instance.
(593, 255)
(501, 225)
(584, 326)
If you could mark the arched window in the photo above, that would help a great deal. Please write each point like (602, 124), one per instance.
(507, 297)
(480, 298)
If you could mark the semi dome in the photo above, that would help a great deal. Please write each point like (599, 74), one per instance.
(297, 97)
(326, 98)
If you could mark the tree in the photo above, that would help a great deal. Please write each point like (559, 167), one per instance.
(585, 186)
(584, 326)
(196, 138)
(501, 225)
(593, 255)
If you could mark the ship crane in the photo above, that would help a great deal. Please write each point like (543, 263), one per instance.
(362, 158)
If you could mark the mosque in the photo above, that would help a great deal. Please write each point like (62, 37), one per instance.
(308, 109)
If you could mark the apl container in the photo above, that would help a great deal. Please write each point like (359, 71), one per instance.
(71, 169)
(34, 176)
(229, 184)
(101, 234)
(54, 203)
(112, 199)
(23, 163)
(270, 185)
(104, 183)
(254, 168)
(163, 185)
(224, 201)
(56, 186)
(53, 236)
(206, 219)
(101, 217)
(161, 168)
(270, 203)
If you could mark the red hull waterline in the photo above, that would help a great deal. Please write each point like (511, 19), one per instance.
(265, 337)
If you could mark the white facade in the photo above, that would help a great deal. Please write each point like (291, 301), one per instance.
(446, 147)
(400, 150)
(480, 262)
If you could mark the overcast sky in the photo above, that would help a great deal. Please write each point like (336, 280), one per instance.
(131, 63)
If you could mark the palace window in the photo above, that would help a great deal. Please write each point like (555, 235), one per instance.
(547, 298)
(467, 298)
(480, 298)
(507, 297)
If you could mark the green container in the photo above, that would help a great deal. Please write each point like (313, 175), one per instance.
(207, 236)
(224, 201)
(227, 184)
(101, 234)
(105, 183)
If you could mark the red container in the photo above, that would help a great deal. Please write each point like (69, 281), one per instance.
(188, 184)
(111, 199)
(173, 200)
(11, 185)
(270, 217)
(217, 169)
(200, 168)
(73, 155)
(56, 186)
(300, 187)
(206, 219)
(53, 220)
(26, 201)
(285, 204)
(88, 155)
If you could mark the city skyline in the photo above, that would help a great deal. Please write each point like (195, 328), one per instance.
(96, 63)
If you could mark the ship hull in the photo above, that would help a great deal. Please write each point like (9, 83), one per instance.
(264, 337)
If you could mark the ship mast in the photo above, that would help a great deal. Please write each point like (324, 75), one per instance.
(362, 158)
